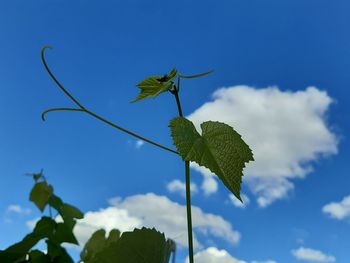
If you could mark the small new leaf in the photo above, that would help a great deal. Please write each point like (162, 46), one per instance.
(40, 195)
(220, 149)
(153, 86)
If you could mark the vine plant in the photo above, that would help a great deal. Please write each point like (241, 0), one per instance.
(55, 230)
(219, 148)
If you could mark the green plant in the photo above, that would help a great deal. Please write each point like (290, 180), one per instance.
(57, 229)
(46, 229)
(219, 148)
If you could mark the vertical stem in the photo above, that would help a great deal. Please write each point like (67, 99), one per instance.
(188, 184)
(189, 213)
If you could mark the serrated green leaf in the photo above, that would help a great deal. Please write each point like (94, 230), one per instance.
(41, 194)
(220, 149)
(142, 245)
(98, 243)
(153, 86)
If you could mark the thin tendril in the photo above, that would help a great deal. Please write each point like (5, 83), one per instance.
(195, 76)
(55, 80)
(58, 109)
(85, 110)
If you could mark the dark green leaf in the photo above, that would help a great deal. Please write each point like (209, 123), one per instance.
(220, 148)
(55, 202)
(69, 213)
(98, 243)
(64, 234)
(57, 253)
(10, 257)
(153, 86)
(20, 249)
(140, 246)
(45, 227)
(37, 256)
(41, 194)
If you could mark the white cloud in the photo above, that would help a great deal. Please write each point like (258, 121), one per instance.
(139, 144)
(215, 255)
(340, 210)
(177, 186)
(287, 131)
(269, 189)
(238, 203)
(151, 210)
(17, 209)
(312, 255)
(209, 184)
(31, 223)
(108, 218)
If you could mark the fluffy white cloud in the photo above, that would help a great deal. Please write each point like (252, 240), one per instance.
(340, 210)
(107, 218)
(17, 209)
(286, 130)
(177, 186)
(151, 210)
(209, 184)
(238, 203)
(312, 255)
(215, 255)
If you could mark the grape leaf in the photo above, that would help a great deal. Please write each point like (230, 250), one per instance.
(155, 85)
(220, 149)
(98, 243)
(68, 212)
(40, 195)
(142, 245)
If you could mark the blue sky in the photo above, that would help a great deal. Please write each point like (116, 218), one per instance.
(283, 70)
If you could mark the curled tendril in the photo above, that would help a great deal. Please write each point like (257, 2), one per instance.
(58, 109)
(83, 109)
(66, 92)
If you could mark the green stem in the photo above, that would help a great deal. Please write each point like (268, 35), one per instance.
(81, 108)
(188, 184)
(189, 213)
(128, 132)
